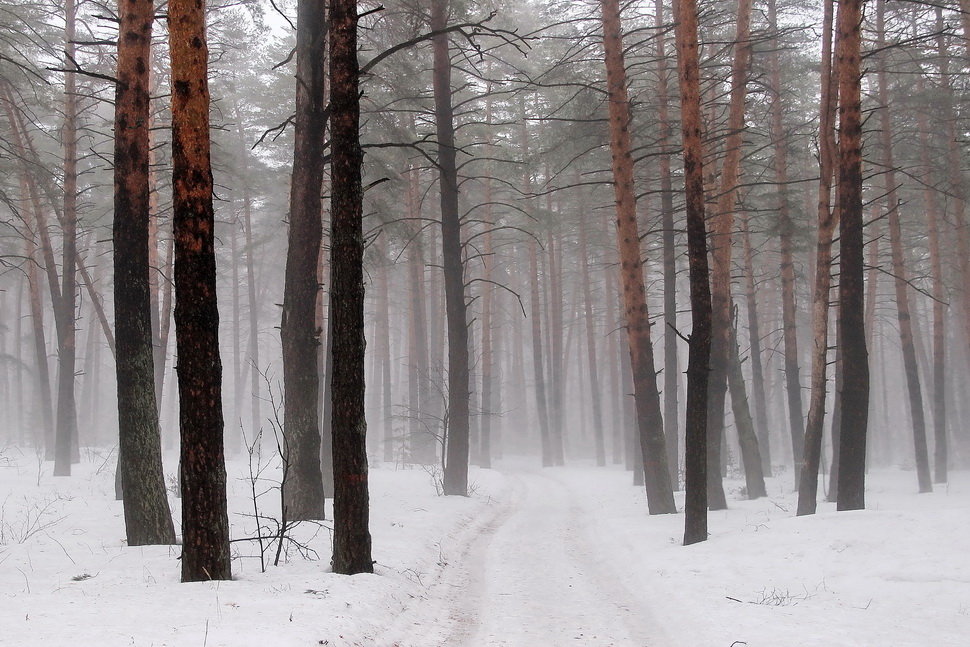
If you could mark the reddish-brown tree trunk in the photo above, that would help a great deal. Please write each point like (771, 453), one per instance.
(827, 220)
(205, 523)
(653, 450)
(855, 357)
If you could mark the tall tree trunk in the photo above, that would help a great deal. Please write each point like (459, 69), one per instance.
(303, 486)
(671, 368)
(695, 441)
(899, 268)
(65, 441)
(148, 519)
(457, 446)
(660, 497)
(722, 225)
(855, 357)
(786, 230)
(351, 540)
(205, 523)
(828, 218)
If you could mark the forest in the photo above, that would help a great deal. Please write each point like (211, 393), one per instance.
(266, 265)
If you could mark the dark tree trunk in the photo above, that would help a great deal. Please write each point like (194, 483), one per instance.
(457, 445)
(855, 357)
(205, 523)
(148, 519)
(695, 506)
(303, 489)
(351, 538)
(649, 419)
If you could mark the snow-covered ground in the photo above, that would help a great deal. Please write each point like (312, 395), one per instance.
(533, 558)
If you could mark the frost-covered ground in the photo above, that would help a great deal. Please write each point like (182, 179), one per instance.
(534, 558)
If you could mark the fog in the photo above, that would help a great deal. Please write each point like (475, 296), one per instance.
(553, 193)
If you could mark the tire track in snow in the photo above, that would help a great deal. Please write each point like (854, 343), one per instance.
(446, 613)
(530, 576)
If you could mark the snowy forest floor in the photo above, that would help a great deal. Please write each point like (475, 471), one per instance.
(534, 558)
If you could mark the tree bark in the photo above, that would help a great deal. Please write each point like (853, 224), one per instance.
(695, 506)
(148, 519)
(855, 357)
(351, 539)
(660, 497)
(303, 487)
(828, 218)
(205, 523)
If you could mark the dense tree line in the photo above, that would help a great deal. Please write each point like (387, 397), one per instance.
(579, 229)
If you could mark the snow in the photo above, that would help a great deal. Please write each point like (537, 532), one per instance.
(535, 557)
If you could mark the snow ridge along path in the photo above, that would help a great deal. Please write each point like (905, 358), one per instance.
(529, 574)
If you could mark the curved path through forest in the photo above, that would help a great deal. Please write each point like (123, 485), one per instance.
(530, 574)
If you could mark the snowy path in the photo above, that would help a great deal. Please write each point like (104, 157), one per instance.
(529, 575)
